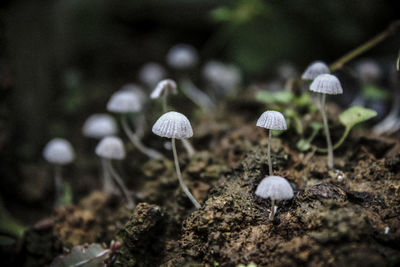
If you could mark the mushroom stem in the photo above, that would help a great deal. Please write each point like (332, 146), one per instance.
(269, 153)
(196, 95)
(178, 173)
(164, 101)
(108, 185)
(327, 134)
(58, 183)
(272, 214)
(188, 146)
(151, 153)
(121, 184)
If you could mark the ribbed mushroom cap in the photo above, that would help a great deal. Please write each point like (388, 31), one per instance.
(151, 73)
(59, 151)
(326, 84)
(137, 90)
(273, 120)
(314, 69)
(111, 147)
(124, 101)
(182, 56)
(167, 86)
(99, 126)
(275, 188)
(222, 75)
(173, 125)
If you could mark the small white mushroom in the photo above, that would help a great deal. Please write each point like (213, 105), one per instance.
(163, 89)
(314, 69)
(368, 71)
(58, 152)
(126, 102)
(326, 84)
(275, 188)
(271, 120)
(151, 73)
(182, 56)
(175, 125)
(111, 148)
(99, 125)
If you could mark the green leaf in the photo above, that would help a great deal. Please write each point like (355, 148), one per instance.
(372, 92)
(66, 197)
(356, 115)
(88, 256)
(282, 97)
(303, 145)
(316, 126)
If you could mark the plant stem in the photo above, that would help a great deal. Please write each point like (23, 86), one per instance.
(121, 184)
(269, 153)
(108, 184)
(58, 182)
(364, 47)
(151, 153)
(272, 214)
(326, 128)
(339, 143)
(188, 146)
(178, 173)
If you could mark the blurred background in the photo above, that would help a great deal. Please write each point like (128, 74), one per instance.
(60, 60)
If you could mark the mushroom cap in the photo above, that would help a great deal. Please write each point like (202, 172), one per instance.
(275, 188)
(173, 125)
(99, 126)
(124, 101)
(226, 76)
(111, 147)
(182, 56)
(151, 73)
(326, 84)
(369, 71)
(314, 69)
(273, 120)
(59, 151)
(135, 89)
(168, 86)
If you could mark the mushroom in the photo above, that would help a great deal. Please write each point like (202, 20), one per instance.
(109, 148)
(175, 125)
(125, 102)
(151, 73)
(98, 126)
(314, 69)
(58, 152)
(326, 84)
(183, 58)
(271, 120)
(165, 88)
(275, 188)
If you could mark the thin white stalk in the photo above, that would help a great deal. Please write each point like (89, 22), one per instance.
(272, 214)
(196, 95)
(58, 183)
(188, 146)
(139, 121)
(327, 134)
(121, 184)
(164, 102)
(178, 173)
(269, 153)
(108, 184)
(151, 153)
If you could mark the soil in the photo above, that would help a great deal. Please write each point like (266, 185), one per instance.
(349, 216)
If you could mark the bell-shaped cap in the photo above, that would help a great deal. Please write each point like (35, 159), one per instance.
(182, 56)
(99, 126)
(274, 188)
(314, 69)
(59, 151)
(124, 101)
(369, 71)
(166, 86)
(326, 84)
(173, 125)
(111, 147)
(273, 120)
(151, 73)
(228, 77)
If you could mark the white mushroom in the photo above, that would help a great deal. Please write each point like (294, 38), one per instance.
(58, 152)
(99, 125)
(314, 69)
(163, 89)
(275, 188)
(175, 125)
(271, 120)
(151, 73)
(110, 148)
(182, 56)
(326, 84)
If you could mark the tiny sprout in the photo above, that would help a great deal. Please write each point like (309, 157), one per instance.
(58, 152)
(110, 148)
(151, 73)
(314, 70)
(275, 188)
(125, 102)
(175, 125)
(271, 120)
(326, 84)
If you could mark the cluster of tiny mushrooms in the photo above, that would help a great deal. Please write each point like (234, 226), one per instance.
(174, 125)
